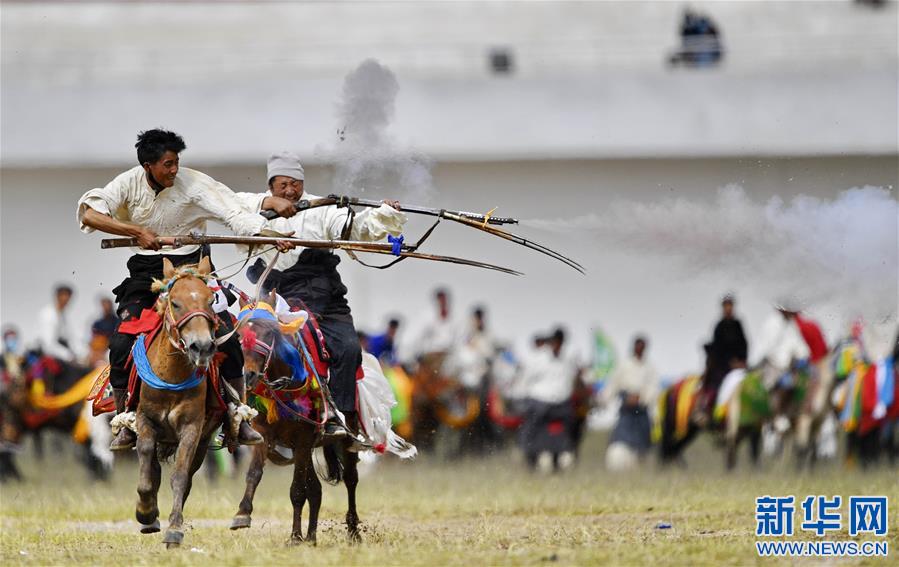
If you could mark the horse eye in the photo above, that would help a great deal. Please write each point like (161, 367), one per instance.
(176, 305)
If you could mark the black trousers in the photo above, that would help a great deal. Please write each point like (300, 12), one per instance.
(133, 295)
(342, 343)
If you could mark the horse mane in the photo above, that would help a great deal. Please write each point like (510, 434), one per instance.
(165, 284)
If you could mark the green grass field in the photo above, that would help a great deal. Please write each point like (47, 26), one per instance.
(486, 512)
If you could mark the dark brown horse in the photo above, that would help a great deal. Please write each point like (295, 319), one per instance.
(172, 418)
(41, 394)
(262, 341)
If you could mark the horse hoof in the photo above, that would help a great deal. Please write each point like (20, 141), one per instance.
(241, 521)
(148, 519)
(295, 540)
(173, 538)
(150, 528)
(354, 537)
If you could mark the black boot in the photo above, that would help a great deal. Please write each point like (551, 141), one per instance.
(126, 439)
(246, 435)
(334, 429)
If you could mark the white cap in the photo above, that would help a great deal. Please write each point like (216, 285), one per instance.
(285, 163)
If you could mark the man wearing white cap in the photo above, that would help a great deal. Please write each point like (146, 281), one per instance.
(309, 277)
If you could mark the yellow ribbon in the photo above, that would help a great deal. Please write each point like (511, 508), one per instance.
(288, 327)
(487, 216)
(77, 393)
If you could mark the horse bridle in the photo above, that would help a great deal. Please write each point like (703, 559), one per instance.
(173, 326)
(266, 350)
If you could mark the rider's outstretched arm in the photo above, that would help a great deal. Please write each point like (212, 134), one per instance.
(105, 223)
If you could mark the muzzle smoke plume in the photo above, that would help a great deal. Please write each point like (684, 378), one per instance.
(366, 159)
(841, 254)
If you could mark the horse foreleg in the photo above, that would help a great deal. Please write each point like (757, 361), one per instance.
(148, 482)
(312, 488)
(184, 458)
(303, 473)
(243, 518)
(732, 432)
(351, 479)
(755, 445)
(200, 454)
(803, 439)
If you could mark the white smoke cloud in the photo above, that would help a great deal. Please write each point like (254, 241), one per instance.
(840, 254)
(365, 157)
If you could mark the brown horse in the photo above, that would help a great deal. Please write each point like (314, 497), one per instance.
(262, 341)
(440, 402)
(172, 418)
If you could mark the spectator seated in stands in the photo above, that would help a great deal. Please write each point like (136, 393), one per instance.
(700, 42)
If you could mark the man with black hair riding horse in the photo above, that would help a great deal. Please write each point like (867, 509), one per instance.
(308, 278)
(157, 197)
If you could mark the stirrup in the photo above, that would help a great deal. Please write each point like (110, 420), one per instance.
(333, 429)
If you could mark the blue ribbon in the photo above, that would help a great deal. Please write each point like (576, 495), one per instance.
(145, 371)
(397, 242)
(289, 354)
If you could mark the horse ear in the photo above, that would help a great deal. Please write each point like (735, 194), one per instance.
(205, 266)
(168, 270)
(273, 298)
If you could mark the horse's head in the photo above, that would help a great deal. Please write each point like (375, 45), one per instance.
(260, 336)
(187, 310)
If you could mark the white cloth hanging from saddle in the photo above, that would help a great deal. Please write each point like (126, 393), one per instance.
(376, 399)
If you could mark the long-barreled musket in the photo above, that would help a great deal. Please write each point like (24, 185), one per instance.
(474, 220)
(345, 201)
(349, 245)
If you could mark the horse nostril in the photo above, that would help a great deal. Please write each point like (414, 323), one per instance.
(202, 348)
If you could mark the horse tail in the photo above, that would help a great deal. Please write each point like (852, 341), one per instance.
(334, 474)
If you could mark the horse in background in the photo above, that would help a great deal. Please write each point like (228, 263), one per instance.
(866, 399)
(441, 402)
(178, 392)
(740, 416)
(48, 394)
(282, 374)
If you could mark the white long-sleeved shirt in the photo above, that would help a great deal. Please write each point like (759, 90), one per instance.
(439, 335)
(472, 358)
(633, 376)
(780, 342)
(194, 199)
(548, 378)
(326, 223)
(53, 326)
